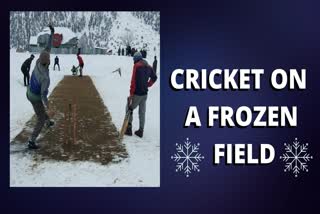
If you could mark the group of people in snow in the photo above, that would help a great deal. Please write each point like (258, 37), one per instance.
(25, 68)
(130, 51)
(143, 77)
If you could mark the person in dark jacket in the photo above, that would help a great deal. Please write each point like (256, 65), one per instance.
(119, 51)
(128, 50)
(154, 65)
(142, 78)
(25, 68)
(122, 52)
(133, 51)
(144, 53)
(37, 92)
(56, 62)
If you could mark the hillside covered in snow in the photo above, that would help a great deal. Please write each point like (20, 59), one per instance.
(109, 30)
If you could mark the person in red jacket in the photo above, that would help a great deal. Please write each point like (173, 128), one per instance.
(142, 78)
(81, 64)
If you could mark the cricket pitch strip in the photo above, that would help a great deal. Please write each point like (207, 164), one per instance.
(83, 129)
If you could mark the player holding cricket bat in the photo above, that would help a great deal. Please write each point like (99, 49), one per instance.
(142, 78)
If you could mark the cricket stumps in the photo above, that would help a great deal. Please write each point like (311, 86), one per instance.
(70, 122)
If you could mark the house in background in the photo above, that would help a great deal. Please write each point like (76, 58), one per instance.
(101, 50)
(64, 41)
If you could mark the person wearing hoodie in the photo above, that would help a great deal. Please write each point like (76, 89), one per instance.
(37, 92)
(142, 78)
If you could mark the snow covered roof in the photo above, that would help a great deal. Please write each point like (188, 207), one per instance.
(33, 40)
(98, 47)
(67, 34)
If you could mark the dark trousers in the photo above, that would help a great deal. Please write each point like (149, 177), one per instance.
(81, 69)
(42, 118)
(26, 78)
(54, 67)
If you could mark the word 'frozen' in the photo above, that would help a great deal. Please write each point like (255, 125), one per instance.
(258, 116)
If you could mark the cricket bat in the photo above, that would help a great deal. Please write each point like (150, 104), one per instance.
(125, 121)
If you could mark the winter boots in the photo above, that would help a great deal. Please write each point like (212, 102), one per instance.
(32, 145)
(139, 133)
(49, 123)
(128, 132)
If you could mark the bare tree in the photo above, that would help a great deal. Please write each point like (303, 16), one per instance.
(127, 38)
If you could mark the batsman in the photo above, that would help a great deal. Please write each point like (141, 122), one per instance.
(143, 77)
(37, 92)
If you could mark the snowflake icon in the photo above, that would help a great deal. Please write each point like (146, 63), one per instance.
(296, 157)
(187, 157)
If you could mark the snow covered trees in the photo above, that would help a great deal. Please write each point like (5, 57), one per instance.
(95, 27)
(150, 18)
(127, 38)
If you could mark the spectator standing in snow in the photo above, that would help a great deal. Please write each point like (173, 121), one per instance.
(143, 77)
(37, 92)
(133, 51)
(122, 52)
(128, 51)
(154, 65)
(119, 50)
(81, 64)
(56, 62)
(144, 53)
(25, 68)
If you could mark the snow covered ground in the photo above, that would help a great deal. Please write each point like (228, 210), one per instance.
(141, 168)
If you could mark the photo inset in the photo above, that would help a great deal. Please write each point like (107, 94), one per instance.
(84, 99)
